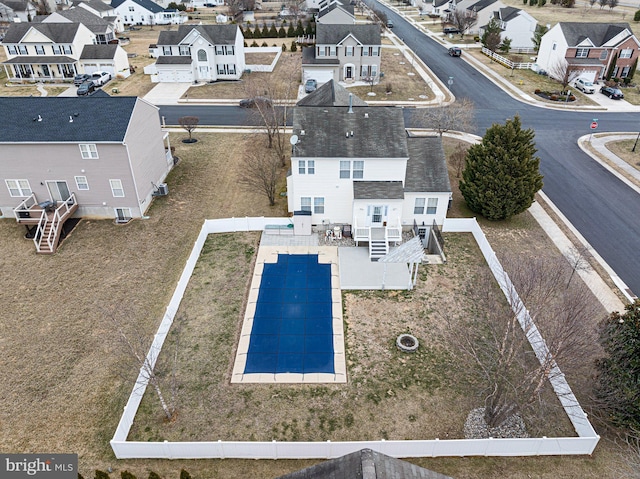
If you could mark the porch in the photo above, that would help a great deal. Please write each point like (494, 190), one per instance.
(40, 68)
(44, 220)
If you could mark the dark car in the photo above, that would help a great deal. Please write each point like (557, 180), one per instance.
(80, 79)
(612, 93)
(87, 88)
(310, 85)
(447, 30)
(389, 24)
(255, 102)
(455, 52)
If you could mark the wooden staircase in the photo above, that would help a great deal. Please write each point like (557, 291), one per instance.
(378, 244)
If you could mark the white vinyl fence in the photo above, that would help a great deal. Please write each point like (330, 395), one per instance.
(585, 443)
(263, 68)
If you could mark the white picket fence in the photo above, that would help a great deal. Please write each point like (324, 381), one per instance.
(585, 443)
(506, 62)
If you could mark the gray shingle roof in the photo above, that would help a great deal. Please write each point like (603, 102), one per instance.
(57, 32)
(309, 58)
(365, 464)
(481, 5)
(378, 190)
(91, 21)
(40, 59)
(331, 94)
(507, 13)
(346, 7)
(214, 34)
(146, 4)
(427, 166)
(97, 5)
(174, 60)
(16, 5)
(98, 52)
(598, 33)
(100, 119)
(377, 132)
(332, 34)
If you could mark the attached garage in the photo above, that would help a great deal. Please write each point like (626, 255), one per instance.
(174, 69)
(320, 69)
(321, 75)
(107, 58)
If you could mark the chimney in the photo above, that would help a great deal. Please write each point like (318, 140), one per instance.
(350, 102)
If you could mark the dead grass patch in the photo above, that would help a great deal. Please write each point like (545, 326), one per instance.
(259, 58)
(622, 149)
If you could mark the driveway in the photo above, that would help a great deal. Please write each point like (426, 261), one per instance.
(167, 93)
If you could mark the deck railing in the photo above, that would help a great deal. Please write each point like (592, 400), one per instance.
(59, 215)
(23, 210)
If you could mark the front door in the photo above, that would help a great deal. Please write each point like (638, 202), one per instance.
(45, 71)
(348, 72)
(58, 190)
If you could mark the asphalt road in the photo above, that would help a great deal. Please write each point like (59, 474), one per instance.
(602, 208)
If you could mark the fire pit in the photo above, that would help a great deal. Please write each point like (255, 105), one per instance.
(407, 343)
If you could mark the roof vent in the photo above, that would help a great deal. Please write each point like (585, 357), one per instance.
(39, 118)
(352, 133)
(366, 115)
(70, 119)
(302, 132)
(346, 135)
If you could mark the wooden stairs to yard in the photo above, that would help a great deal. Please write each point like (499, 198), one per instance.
(50, 229)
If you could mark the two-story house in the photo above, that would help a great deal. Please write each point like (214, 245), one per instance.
(16, 11)
(146, 12)
(515, 24)
(595, 50)
(94, 157)
(104, 30)
(482, 10)
(199, 53)
(358, 165)
(44, 51)
(337, 12)
(343, 53)
(103, 10)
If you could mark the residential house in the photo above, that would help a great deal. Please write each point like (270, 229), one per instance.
(515, 24)
(343, 53)
(595, 51)
(104, 30)
(103, 10)
(146, 12)
(111, 58)
(358, 165)
(482, 10)
(442, 8)
(16, 11)
(199, 53)
(336, 12)
(44, 51)
(100, 156)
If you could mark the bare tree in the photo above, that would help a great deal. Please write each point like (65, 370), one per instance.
(272, 108)
(189, 123)
(295, 10)
(136, 346)
(563, 72)
(457, 116)
(493, 338)
(261, 170)
(463, 20)
(457, 159)
(577, 260)
(42, 7)
(612, 4)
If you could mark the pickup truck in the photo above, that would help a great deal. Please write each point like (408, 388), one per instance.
(100, 78)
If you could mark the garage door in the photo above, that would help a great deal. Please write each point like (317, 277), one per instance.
(173, 76)
(588, 75)
(321, 76)
(89, 68)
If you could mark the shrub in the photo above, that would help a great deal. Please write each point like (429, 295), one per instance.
(184, 474)
(284, 47)
(254, 44)
(572, 98)
(282, 33)
(476, 38)
(291, 32)
(537, 90)
(154, 475)
(127, 475)
(101, 474)
(294, 47)
(264, 44)
(636, 16)
(388, 87)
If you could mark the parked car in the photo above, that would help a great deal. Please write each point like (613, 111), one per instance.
(448, 30)
(455, 52)
(310, 85)
(585, 86)
(100, 78)
(80, 79)
(612, 93)
(389, 24)
(86, 88)
(254, 102)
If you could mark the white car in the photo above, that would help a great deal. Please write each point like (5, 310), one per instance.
(100, 78)
(585, 86)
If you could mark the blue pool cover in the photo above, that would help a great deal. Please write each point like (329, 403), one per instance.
(292, 328)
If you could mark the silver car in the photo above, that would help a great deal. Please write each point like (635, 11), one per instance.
(585, 86)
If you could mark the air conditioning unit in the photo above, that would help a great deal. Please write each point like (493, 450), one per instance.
(163, 189)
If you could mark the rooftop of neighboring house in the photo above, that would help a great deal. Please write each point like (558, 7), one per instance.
(332, 6)
(146, 4)
(48, 119)
(79, 15)
(309, 57)
(507, 13)
(332, 34)
(476, 6)
(599, 33)
(427, 166)
(97, 5)
(16, 5)
(56, 32)
(331, 94)
(335, 132)
(214, 34)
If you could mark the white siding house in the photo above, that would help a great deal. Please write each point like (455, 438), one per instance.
(146, 12)
(517, 25)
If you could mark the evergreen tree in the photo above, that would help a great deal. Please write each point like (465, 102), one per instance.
(291, 32)
(310, 28)
(619, 370)
(299, 29)
(282, 33)
(501, 174)
(294, 47)
(491, 36)
(265, 31)
(273, 33)
(257, 33)
(184, 474)
(154, 475)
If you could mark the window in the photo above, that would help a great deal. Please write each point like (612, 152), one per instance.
(327, 51)
(57, 49)
(554, 46)
(432, 206)
(582, 52)
(23, 49)
(81, 182)
(202, 56)
(418, 207)
(12, 49)
(18, 187)
(333, 52)
(89, 152)
(219, 50)
(603, 54)
(166, 50)
(358, 169)
(320, 51)
(626, 53)
(123, 215)
(226, 69)
(348, 51)
(374, 70)
(345, 169)
(131, 9)
(67, 49)
(116, 188)
(183, 50)
(318, 205)
(365, 51)
(625, 72)
(376, 52)
(306, 167)
(39, 50)
(305, 203)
